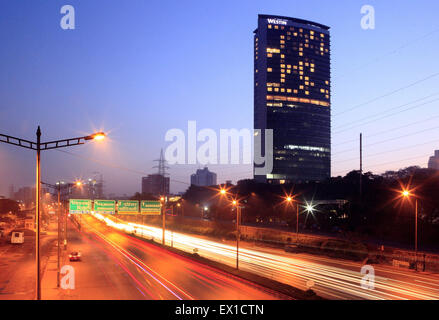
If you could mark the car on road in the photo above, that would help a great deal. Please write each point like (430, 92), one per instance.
(75, 256)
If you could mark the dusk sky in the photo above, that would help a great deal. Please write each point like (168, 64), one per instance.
(136, 69)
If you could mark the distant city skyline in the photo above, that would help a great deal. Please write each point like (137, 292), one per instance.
(138, 70)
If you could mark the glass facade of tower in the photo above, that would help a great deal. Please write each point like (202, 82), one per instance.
(292, 96)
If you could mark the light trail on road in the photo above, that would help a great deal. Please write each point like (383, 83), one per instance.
(181, 277)
(339, 281)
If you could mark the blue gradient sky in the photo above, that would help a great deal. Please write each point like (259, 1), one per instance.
(138, 68)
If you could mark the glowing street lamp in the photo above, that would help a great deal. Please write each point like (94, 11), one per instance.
(406, 194)
(39, 146)
(309, 208)
(96, 136)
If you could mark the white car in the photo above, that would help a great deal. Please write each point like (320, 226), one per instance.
(17, 237)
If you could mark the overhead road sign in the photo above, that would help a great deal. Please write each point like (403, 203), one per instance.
(79, 206)
(149, 207)
(127, 206)
(105, 206)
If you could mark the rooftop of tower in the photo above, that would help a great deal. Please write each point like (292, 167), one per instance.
(302, 21)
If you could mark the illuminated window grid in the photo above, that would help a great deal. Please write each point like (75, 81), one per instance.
(296, 99)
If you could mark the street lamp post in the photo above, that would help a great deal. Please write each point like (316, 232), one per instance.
(407, 194)
(37, 216)
(163, 209)
(77, 184)
(38, 147)
(65, 230)
(309, 207)
(238, 230)
(416, 230)
(290, 199)
(237, 205)
(297, 222)
(58, 188)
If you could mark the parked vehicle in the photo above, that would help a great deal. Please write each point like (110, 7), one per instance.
(17, 237)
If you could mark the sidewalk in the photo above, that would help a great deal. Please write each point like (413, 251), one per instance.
(49, 289)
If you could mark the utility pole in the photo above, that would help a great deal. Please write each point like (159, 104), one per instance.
(162, 173)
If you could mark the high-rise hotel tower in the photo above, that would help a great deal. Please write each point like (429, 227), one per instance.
(292, 96)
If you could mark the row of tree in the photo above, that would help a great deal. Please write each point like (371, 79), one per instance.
(379, 212)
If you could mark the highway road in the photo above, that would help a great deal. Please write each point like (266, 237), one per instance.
(331, 278)
(116, 265)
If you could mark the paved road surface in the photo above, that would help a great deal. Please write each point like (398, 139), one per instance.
(118, 266)
(332, 278)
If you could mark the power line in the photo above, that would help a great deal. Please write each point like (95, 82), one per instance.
(384, 117)
(392, 129)
(388, 94)
(114, 166)
(389, 53)
(393, 150)
(391, 139)
(392, 113)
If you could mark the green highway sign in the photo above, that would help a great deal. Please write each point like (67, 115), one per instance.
(79, 206)
(150, 207)
(127, 206)
(105, 206)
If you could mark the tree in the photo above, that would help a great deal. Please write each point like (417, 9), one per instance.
(8, 205)
(143, 196)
